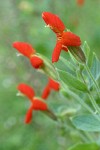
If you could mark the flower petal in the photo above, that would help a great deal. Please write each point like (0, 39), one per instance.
(46, 92)
(36, 61)
(39, 105)
(24, 48)
(70, 39)
(54, 84)
(80, 2)
(26, 90)
(28, 117)
(53, 21)
(56, 52)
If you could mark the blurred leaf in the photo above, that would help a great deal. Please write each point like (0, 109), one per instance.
(67, 111)
(88, 53)
(95, 69)
(86, 122)
(65, 93)
(92, 62)
(91, 146)
(71, 81)
(68, 63)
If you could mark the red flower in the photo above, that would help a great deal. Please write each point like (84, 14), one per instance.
(54, 22)
(80, 2)
(27, 50)
(52, 84)
(64, 39)
(36, 103)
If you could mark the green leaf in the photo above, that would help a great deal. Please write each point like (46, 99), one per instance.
(68, 63)
(71, 81)
(88, 54)
(95, 69)
(92, 62)
(86, 122)
(90, 146)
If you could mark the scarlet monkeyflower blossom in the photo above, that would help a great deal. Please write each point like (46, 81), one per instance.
(65, 39)
(52, 85)
(80, 2)
(27, 50)
(36, 103)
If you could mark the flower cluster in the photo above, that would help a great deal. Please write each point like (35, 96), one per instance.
(66, 40)
(37, 103)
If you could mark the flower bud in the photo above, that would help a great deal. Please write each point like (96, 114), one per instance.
(77, 52)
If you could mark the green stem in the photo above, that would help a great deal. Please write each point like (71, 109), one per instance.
(95, 105)
(90, 74)
(89, 136)
(82, 102)
(63, 125)
(78, 99)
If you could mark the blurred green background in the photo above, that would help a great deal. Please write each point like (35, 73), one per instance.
(20, 20)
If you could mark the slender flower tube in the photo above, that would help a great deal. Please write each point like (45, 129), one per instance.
(52, 85)
(65, 39)
(37, 103)
(27, 50)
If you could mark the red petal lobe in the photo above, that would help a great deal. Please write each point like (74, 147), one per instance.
(70, 39)
(46, 92)
(54, 84)
(28, 117)
(24, 48)
(53, 21)
(36, 62)
(26, 90)
(39, 105)
(56, 52)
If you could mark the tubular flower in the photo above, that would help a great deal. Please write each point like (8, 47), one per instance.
(27, 50)
(52, 85)
(38, 61)
(80, 2)
(36, 103)
(65, 40)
